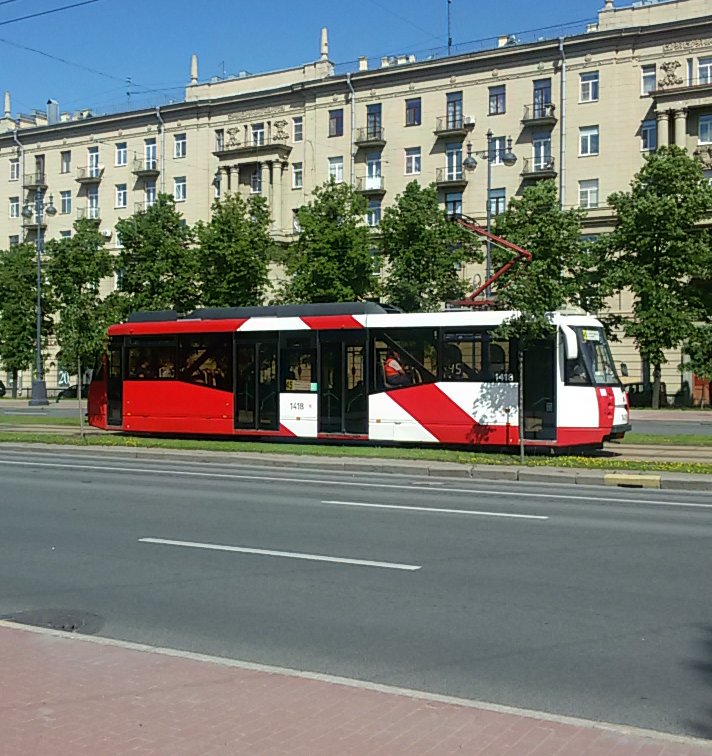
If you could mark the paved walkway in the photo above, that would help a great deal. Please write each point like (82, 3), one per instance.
(66, 694)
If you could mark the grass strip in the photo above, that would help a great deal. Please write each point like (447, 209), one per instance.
(676, 440)
(27, 419)
(434, 455)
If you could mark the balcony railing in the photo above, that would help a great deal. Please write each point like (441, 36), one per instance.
(143, 166)
(92, 212)
(141, 207)
(539, 167)
(90, 174)
(254, 147)
(453, 125)
(370, 136)
(35, 180)
(370, 185)
(449, 176)
(539, 114)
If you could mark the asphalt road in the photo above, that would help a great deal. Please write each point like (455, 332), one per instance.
(588, 602)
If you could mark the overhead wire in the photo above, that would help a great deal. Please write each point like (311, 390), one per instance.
(46, 12)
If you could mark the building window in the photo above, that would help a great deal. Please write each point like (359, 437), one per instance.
(256, 181)
(588, 140)
(374, 122)
(93, 204)
(649, 136)
(497, 100)
(589, 87)
(705, 129)
(541, 151)
(542, 98)
(373, 216)
(296, 225)
(413, 112)
(121, 195)
(588, 193)
(219, 140)
(14, 169)
(453, 203)
(336, 122)
(65, 234)
(180, 146)
(412, 161)
(454, 110)
(453, 161)
(150, 194)
(648, 79)
(180, 191)
(65, 161)
(704, 70)
(14, 207)
(336, 169)
(298, 129)
(497, 148)
(93, 169)
(297, 176)
(65, 202)
(13, 240)
(258, 134)
(122, 153)
(498, 201)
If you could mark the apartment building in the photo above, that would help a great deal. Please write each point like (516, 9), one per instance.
(582, 109)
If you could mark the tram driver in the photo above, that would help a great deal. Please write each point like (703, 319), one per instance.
(394, 373)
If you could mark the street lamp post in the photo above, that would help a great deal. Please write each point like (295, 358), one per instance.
(470, 163)
(39, 388)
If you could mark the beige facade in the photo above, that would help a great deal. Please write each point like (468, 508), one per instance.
(582, 109)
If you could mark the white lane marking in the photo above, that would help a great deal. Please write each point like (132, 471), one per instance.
(318, 481)
(436, 510)
(286, 554)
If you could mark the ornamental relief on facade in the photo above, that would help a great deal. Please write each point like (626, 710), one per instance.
(671, 78)
(688, 44)
(256, 115)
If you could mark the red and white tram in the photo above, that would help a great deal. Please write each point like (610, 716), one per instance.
(357, 371)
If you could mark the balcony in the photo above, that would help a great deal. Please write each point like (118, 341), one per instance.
(144, 167)
(90, 175)
(450, 178)
(673, 93)
(539, 168)
(91, 212)
(370, 136)
(373, 185)
(31, 223)
(453, 126)
(539, 114)
(256, 147)
(35, 180)
(141, 207)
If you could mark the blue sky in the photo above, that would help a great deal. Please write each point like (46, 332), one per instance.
(151, 41)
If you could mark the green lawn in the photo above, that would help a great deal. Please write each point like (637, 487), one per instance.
(38, 420)
(435, 455)
(646, 438)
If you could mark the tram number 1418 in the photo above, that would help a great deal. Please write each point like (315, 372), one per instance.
(504, 377)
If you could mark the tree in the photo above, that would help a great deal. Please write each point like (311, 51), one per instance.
(658, 247)
(699, 351)
(331, 259)
(18, 315)
(157, 266)
(234, 253)
(76, 267)
(423, 248)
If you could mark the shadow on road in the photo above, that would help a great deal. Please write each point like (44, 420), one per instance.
(703, 666)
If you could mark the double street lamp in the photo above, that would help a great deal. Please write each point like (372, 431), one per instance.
(491, 156)
(39, 388)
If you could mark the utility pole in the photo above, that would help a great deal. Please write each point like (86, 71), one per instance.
(449, 35)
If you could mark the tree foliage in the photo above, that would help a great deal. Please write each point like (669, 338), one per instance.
(331, 260)
(423, 249)
(18, 315)
(235, 251)
(699, 351)
(76, 267)
(158, 267)
(658, 248)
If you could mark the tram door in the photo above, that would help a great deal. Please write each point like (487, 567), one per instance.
(540, 391)
(114, 384)
(256, 400)
(343, 393)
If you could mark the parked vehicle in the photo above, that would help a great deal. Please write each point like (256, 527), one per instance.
(71, 392)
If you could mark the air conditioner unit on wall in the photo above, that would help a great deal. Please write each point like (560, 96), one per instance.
(469, 121)
(106, 233)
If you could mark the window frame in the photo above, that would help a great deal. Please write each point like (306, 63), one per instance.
(646, 71)
(414, 160)
(589, 133)
(14, 207)
(180, 146)
(298, 129)
(499, 199)
(121, 155)
(589, 82)
(180, 188)
(65, 161)
(337, 163)
(647, 127)
(705, 119)
(14, 174)
(118, 192)
(591, 189)
(336, 122)
(65, 202)
(414, 111)
(297, 175)
(706, 64)
(497, 96)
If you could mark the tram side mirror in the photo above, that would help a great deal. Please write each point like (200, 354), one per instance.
(570, 342)
(624, 370)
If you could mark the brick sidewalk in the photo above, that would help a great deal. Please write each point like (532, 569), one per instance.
(63, 694)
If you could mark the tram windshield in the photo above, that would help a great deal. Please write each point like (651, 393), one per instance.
(594, 364)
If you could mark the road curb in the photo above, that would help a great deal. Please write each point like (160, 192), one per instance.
(415, 468)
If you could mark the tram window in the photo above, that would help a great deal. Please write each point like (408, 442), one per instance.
(298, 364)
(476, 356)
(151, 359)
(405, 358)
(206, 360)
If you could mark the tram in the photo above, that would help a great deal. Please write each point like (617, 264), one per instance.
(360, 372)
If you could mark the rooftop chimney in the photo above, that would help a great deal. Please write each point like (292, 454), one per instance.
(194, 69)
(363, 63)
(52, 112)
(8, 109)
(608, 5)
(324, 44)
